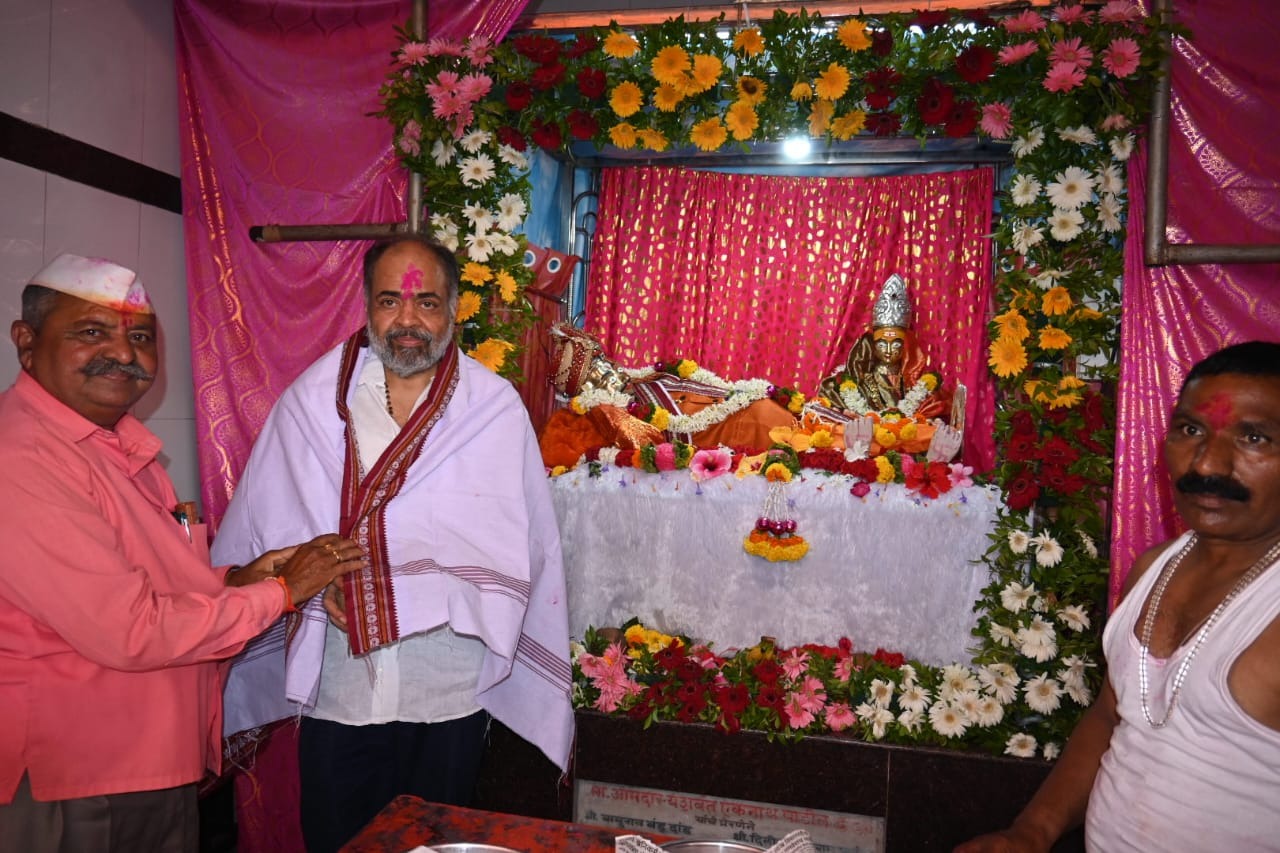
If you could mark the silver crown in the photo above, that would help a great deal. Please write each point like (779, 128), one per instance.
(892, 307)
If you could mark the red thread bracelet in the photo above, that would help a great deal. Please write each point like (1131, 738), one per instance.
(288, 596)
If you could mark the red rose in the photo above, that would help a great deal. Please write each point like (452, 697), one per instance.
(962, 119)
(976, 63)
(1021, 491)
(1058, 451)
(591, 83)
(582, 124)
(581, 46)
(546, 77)
(881, 42)
(893, 659)
(884, 124)
(543, 50)
(518, 96)
(935, 102)
(512, 138)
(1021, 448)
(929, 20)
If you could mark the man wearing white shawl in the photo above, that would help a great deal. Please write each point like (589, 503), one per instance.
(428, 460)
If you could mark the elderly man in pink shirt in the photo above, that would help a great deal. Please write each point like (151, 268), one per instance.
(112, 622)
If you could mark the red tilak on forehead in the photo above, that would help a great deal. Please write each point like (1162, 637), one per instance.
(1217, 410)
(126, 319)
(411, 283)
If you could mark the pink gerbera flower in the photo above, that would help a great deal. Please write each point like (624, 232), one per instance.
(1119, 12)
(1063, 77)
(1072, 14)
(997, 121)
(839, 716)
(446, 83)
(1121, 57)
(710, 463)
(1011, 53)
(444, 47)
(1025, 22)
(446, 104)
(473, 87)
(1071, 50)
(1115, 121)
(794, 663)
(413, 53)
(479, 52)
(797, 716)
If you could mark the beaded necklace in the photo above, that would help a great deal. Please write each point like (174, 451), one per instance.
(1148, 623)
(386, 390)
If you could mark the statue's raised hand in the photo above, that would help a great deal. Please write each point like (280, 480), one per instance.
(857, 437)
(945, 443)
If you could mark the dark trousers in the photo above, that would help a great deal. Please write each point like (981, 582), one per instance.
(349, 773)
(165, 821)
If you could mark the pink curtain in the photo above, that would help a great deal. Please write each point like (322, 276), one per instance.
(275, 97)
(757, 276)
(1223, 188)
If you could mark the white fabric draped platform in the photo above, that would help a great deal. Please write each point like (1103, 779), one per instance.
(891, 569)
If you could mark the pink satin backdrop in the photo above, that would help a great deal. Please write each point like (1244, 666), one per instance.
(758, 276)
(275, 98)
(1224, 187)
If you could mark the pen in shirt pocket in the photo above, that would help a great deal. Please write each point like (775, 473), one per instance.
(183, 512)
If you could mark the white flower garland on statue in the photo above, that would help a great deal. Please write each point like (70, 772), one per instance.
(738, 396)
(856, 403)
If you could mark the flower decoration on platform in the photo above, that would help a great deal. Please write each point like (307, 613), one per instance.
(774, 536)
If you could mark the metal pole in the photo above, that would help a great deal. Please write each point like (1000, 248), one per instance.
(1153, 239)
(418, 24)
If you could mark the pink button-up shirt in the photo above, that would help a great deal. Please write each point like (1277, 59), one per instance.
(111, 623)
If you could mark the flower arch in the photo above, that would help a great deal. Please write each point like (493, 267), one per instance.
(1068, 86)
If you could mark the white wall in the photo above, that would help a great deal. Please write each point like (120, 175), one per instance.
(102, 72)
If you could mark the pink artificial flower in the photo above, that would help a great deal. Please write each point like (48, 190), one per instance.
(462, 121)
(710, 463)
(1115, 121)
(1072, 14)
(839, 716)
(444, 47)
(1011, 53)
(812, 694)
(479, 51)
(447, 104)
(797, 715)
(1071, 50)
(473, 87)
(413, 53)
(794, 663)
(960, 475)
(1063, 77)
(1025, 22)
(1121, 57)
(844, 669)
(1119, 12)
(664, 456)
(860, 489)
(410, 146)
(411, 138)
(997, 121)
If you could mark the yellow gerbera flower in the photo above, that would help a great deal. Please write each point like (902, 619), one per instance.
(853, 35)
(750, 90)
(706, 71)
(802, 91)
(848, 125)
(1052, 337)
(476, 274)
(1070, 383)
(832, 83)
(1025, 300)
(820, 117)
(492, 353)
(652, 139)
(670, 64)
(507, 286)
(1056, 301)
(748, 42)
(667, 97)
(468, 306)
(1012, 325)
(1064, 401)
(626, 99)
(708, 134)
(623, 135)
(1007, 357)
(741, 119)
(620, 45)
(1085, 313)
(1032, 387)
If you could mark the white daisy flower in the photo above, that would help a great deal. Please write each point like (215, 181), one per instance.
(1047, 279)
(1122, 147)
(1111, 180)
(513, 158)
(1074, 668)
(1038, 640)
(1015, 596)
(476, 171)
(911, 719)
(504, 244)
(1018, 541)
(990, 712)
(947, 721)
(1109, 213)
(475, 140)
(1065, 225)
(865, 712)
(880, 721)
(479, 247)
(1024, 145)
(1072, 188)
(1051, 751)
(1024, 237)
(442, 153)
(1043, 694)
(1086, 542)
(440, 222)
(968, 702)
(1021, 745)
(1048, 551)
(608, 455)
(448, 239)
(445, 232)
(1080, 693)
(1037, 604)
(511, 208)
(1082, 135)
(881, 692)
(575, 650)
(914, 698)
(908, 674)
(1001, 681)
(1001, 635)
(1074, 617)
(1025, 190)
(480, 217)
(956, 679)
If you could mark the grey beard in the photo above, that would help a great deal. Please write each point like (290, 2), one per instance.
(406, 363)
